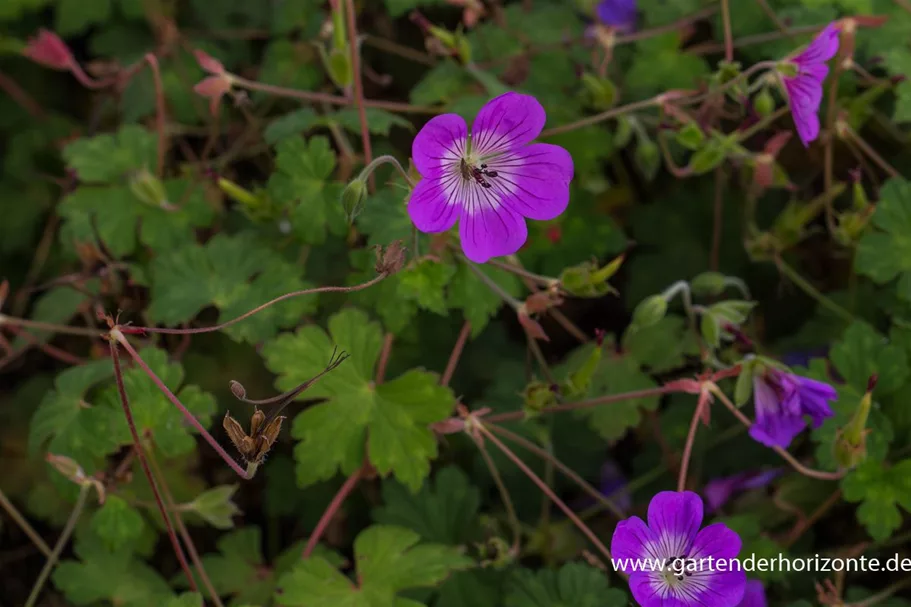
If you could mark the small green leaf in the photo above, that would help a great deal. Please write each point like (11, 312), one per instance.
(444, 511)
(884, 252)
(862, 352)
(648, 158)
(425, 282)
(216, 506)
(881, 490)
(441, 84)
(389, 560)
(395, 414)
(573, 584)
(707, 157)
(690, 136)
(107, 158)
(475, 298)
(117, 523)
(710, 328)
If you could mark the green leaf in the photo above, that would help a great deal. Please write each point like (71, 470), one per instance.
(425, 282)
(291, 64)
(385, 218)
(884, 252)
(690, 136)
(663, 346)
(152, 411)
(235, 274)
(389, 560)
(117, 523)
(113, 213)
(445, 81)
(444, 511)
(477, 301)
(187, 599)
(574, 584)
(660, 65)
(301, 184)
(216, 507)
(107, 158)
(863, 352)
(104, 575)
(379, 122)
(708, 157)
(615, 375)
(291, 124)
(397, 8)
(396, 313)
(73, 427)
(395, 414)
(58, 306)
(881, 491)
(75, 16)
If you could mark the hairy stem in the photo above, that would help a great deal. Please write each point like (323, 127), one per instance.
(59, 546)
(688, 446)
(331, 511)
(504, 495)
(812, 291)
(453, 361)
(585, 404)
(140, 453)
(384, 357)
(46, 326)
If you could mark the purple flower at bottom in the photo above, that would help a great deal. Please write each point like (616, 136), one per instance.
(489, 181)
(805, 88)
(691, 573)
(753, 595)
(620, 14)
(718, 491)
(782, 400)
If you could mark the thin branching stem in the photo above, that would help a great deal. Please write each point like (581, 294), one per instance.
(62, 541)
(23, 523)
(585, 404)
(504, 495)
(143, 461)
(456, 354)
(353, 45)
(331, 510)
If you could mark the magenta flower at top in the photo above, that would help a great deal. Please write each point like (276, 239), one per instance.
(805, 87)
(782, 400)
(672, 536)
(620, 14)
(753, 595)
(491, 180)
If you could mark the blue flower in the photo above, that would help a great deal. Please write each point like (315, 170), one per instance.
(620, 14)
(782, 401)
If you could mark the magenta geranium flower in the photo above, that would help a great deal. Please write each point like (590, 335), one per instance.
(782, 401)
(698, 566)
(805, 87)
(753, 595)
(718, 491)
(620, 14)
(491, 180)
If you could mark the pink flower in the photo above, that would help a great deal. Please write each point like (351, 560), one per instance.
(49, 50)
(805, 88)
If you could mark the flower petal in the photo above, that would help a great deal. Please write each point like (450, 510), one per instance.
(488, 228)
(776, 429)
(650, 590)
(674, 517)
(507, 122)
(753, 595)
(718, 541)
(439, 145)
(715, 588)
(537, 179)
(632, 540)
(429, 207)
(823, 47)
(617, 13)
(814, 399)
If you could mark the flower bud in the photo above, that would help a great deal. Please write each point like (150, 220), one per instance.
(149, 189)
(49, 50)
(601, 91)
(764, 104)
(538, 396)
(238, 390)
(338, 65)
(67, 467)
(708, 284)
(391, 259)
(649, 311)
(354, 197)
(578, 382)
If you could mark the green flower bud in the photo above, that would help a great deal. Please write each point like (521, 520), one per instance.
(788, 69)
(649, 311)
(149, 189)
(354, 197)
(338, 64)
(538, 396)
(764, 103)
(602, 92)
(708, 284)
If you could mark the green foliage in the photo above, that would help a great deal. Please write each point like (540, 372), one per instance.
(884, 254)
(881, 491)
(572, 584)
(394, 414)
(389, 560)
(117, 523)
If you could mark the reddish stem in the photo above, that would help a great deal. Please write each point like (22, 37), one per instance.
(359, 86)
(456, 354)
(140, 452)
(259, 309)
(159, 111)
(585, 404)
(116, 334)
(384, 357)
(52, 351)
(18, 94)
(331, 510)
(546, 490)
(688, 447)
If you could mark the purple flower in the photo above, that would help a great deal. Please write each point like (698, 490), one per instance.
(620, 14)
(718, 491)
(613, 485)
(805, 87)
(491, 180)
(672, 537)
(753, 595)
(782, 400)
